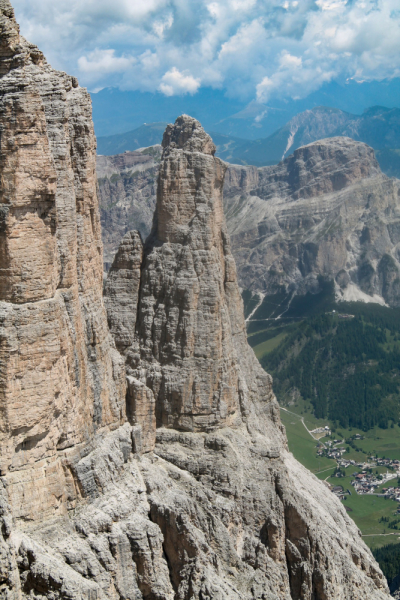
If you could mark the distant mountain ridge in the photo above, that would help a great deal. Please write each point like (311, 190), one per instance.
(378, 126)
(325, 211)
(148, 134)
(116, 111)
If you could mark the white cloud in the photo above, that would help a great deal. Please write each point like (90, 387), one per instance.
(243, 5)
(149, 60)
(174, 82)
(264, 88)
(287, 61)
(104, 62)
(160, 27)
(250, 47)
(214, 9)
(331, 4)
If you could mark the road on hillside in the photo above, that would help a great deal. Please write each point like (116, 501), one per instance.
(302, 420)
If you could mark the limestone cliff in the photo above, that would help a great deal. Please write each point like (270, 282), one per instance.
(190, 325)
(239, 517)
(182, 488)
(327, 211)
(127, 195)
(60, 378)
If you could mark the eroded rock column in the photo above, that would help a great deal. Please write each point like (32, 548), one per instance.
(189, 342)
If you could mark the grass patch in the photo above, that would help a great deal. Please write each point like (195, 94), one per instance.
(379, 541)
(279, 343)
(366, 510)
(268, 345)
(384, 442)
(302, 445)
(303, 408)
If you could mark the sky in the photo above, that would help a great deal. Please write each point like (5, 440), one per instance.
(252, 49)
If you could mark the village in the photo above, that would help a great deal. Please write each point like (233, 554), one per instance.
(365, 481)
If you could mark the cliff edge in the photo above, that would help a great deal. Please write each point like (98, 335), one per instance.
(326, 211)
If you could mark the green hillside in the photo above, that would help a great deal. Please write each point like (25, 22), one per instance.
(336, 365)
(343, 360)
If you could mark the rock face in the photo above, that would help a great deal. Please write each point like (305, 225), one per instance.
(127, 195)
(61, 379)
(182, 488)
(378, 127)
(239, 517)
(189, 317)
(325, 211)
(122, 290)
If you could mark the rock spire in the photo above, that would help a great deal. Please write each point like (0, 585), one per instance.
(190, 327)
(218, 427)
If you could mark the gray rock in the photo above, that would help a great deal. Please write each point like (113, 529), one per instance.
(61, 378)
(127, 195)
(121, 291)
(325, 211)
(96, 502)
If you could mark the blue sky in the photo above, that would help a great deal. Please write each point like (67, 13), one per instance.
(259, 49)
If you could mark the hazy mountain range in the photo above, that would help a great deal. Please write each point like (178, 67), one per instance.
(325, 211)
(378, 126)
(116, 111)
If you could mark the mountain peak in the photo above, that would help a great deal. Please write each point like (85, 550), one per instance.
(9, 30)
(217, 420)
(187, 134)
(374, 110)
(6, 10)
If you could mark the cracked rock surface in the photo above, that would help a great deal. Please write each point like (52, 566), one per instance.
(327, 210)
(61, 379)
(240, 518)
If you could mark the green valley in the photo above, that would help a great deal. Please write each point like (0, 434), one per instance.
(336, 365)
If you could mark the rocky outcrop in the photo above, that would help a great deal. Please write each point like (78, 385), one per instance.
(240, 518)
(325, 211)
(121, 292)
(377, 126)
(189, 316)
(182, 488)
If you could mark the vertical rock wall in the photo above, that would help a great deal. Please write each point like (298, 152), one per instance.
(58, 383)
(240, 518)
(190, 346)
